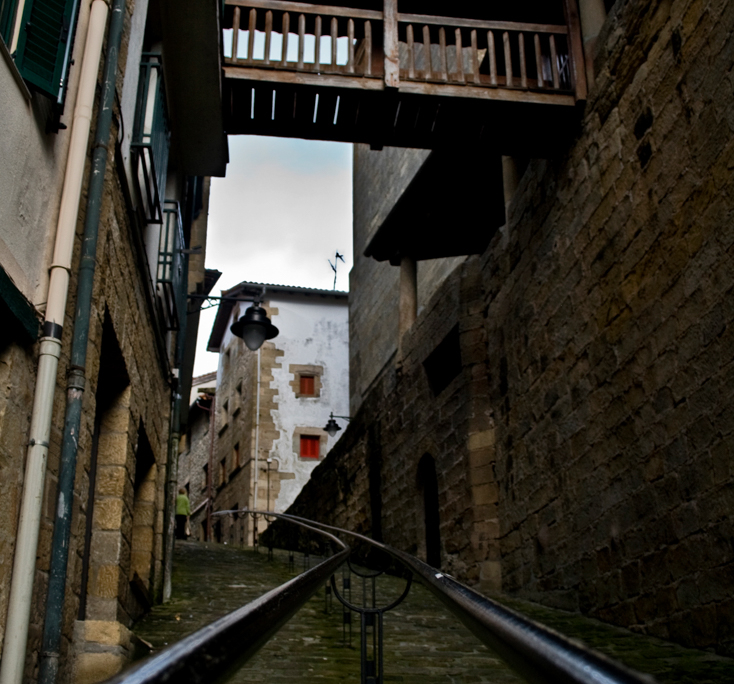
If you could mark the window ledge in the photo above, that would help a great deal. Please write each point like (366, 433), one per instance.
(14, 71)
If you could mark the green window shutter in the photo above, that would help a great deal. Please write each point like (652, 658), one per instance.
(7, 19)
(44, 45)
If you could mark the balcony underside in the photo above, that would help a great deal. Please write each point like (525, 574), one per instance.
(420, 227)
(420, 115)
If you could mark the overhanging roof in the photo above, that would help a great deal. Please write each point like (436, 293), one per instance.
(193, 71)
(452, 207)
(248, 289)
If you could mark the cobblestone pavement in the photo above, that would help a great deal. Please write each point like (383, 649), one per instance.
(423, 642)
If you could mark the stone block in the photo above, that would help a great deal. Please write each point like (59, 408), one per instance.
(91, 668)
(481, 440)
(104, 581)
(108, 514)
(111, 480)
(107, 633)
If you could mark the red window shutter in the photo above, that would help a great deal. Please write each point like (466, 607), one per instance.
(307, 385)
(310, 446)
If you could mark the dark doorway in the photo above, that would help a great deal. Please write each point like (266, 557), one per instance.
(428, 486)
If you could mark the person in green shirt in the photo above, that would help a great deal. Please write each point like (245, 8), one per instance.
(183, 511)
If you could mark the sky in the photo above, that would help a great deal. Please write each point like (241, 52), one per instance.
(279, 216)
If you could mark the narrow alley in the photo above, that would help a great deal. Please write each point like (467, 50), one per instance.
(423, 642)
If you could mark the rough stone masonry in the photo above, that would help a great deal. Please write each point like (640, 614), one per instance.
(582, 446)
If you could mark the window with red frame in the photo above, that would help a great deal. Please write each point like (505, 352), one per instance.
(310, 446)
(308, 388)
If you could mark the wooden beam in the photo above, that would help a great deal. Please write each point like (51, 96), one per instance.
(576, 49)
(498, 94)
(302, 78)
(390, 42)
(478, 23)
(307, 8)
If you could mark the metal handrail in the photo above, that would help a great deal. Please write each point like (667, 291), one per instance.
(536, 652)
(215, 652)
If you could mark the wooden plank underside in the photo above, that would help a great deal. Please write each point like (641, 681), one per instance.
(377, 119)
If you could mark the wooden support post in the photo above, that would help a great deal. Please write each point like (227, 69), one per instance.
(408, 307)
(586, 19)
(390, 41)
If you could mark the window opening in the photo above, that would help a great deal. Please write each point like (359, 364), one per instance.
(310, 446)
(308, 386)
(444, 362)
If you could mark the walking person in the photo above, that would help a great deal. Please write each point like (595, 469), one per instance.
(183, 511)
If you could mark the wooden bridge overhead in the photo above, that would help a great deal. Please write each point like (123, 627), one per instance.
(329, 72)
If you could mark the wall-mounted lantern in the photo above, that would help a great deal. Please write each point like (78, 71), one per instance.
(254, 327)
(332, 427)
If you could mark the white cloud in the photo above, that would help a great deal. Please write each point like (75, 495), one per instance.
(283, 210)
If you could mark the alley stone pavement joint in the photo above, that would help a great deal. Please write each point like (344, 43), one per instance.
(422, 641)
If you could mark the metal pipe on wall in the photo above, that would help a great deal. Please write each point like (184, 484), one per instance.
(24, 560)
(49, 664)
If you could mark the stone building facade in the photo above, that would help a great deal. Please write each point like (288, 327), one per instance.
(562, 399)
(130, 332)
(270, 409)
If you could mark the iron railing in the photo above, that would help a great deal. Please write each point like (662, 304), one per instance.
(171, 275)
(151, 136)
(218, 650)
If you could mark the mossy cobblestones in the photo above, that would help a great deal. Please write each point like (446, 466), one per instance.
(422, 641)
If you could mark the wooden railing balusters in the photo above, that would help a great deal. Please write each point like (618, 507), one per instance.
(411, 51)
(268, 35)
(519, 70)
(350, 39)
(459, 56)
(523, 66)
(492, 58)
(317, 47)
(474, 56)
(251, 34)
(427, 50)
(554, 63)
(235, 32)
(301, 39)
(286, 31)
(368, 46)
(508, 60)
(539, 61)
(334, 36)
(442, 53)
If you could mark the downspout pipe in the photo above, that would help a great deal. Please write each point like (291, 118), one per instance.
(171, 491)
(24, 560)
(49, 664)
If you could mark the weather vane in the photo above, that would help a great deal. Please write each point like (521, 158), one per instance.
(335, 264)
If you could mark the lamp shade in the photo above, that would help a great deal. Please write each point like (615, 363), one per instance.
(254, 327)
(331, 427)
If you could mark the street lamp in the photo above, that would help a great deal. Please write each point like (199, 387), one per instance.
(332, 427)
(254, 327)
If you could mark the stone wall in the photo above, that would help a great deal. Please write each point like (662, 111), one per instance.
(371, 481)
(610, 338)
(583, 452)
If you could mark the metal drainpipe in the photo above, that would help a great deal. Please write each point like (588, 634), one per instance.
(257, 447)
(24, 560)
(171, 487)
(49, 663)
(210, 470)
